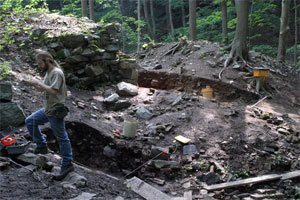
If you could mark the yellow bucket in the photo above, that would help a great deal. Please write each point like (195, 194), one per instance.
(207, 92)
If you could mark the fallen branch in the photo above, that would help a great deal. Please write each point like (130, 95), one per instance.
(259, 101)
(254, 180)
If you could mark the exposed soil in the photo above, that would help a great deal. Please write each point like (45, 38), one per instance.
(226, 129)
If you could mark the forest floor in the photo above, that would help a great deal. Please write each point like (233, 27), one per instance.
(234, 139)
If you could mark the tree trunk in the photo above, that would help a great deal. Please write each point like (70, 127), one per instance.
(171, 19)
(139, 26)
(92, 10)
(153, 20)
(296, 33)
(284, 29)
(224, 21)
(192, 19)
(168, 19)
(84, 8)
(146, 16)
(183, 15)
(239, 50)
(122, 29)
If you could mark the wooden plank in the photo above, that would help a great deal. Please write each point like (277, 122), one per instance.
(243, 182)
(290, 175)
(145, 190)
(188, 195)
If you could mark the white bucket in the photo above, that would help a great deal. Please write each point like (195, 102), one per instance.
(129, 129)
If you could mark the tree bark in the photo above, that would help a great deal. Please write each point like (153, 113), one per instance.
(153, 20)
(296, 33)
(183, 14)
(84, 8)
(139, 26)
(122, 29)
(168, 19)
(192, 19)
(92, 10)
(146, 15)
(224, 21)
(239, 50)
(171, 19)
(284, 29)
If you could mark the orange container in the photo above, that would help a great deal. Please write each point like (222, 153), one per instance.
(261, 73)
(207, 92)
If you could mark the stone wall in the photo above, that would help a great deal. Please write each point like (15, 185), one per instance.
(91, 60)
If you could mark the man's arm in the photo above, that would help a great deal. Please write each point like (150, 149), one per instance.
(42, 87)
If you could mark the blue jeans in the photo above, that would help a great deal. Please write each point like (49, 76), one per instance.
(58, 127)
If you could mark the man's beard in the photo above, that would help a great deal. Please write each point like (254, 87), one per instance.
(46, 68)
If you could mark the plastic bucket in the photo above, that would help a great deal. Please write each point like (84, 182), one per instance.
(207, 92)
(129, 129)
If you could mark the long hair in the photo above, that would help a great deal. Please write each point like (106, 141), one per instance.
(46, 56)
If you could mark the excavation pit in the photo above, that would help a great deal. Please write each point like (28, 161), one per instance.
(96, 150)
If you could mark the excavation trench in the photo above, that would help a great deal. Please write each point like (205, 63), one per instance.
(187, 83)
(97, 150)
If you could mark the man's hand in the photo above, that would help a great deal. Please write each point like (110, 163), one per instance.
(34, 82)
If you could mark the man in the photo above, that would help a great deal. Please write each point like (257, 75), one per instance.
(54, 90)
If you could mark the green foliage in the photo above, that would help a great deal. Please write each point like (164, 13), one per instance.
(5, 70)
(241, 174)
(20, 6)
(265, 49)
(71, 8)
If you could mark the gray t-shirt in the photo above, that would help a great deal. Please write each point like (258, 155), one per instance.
(56, 80)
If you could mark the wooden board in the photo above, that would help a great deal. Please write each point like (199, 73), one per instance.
(290, 175)
(243, 182)
(145, 190)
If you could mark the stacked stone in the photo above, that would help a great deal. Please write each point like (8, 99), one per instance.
(90, 60)
(10, 112)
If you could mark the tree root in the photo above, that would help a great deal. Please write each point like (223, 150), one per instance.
(233, 57)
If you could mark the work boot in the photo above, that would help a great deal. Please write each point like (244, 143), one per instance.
(64, 171)
(43, 150)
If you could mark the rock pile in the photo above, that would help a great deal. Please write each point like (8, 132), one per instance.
(91, 59)
(10, 112)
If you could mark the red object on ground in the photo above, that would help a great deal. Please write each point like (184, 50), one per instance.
(165, 152)
(7, 140)
(117, 132)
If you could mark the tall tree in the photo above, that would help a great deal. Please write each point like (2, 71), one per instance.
(239, 50)
(153, 20)
(84, 8)
(146, 15)
(171, 19)
(296, 32)
(183, 14)
(284, 29)
(139, 25)
(92, 10)
(192, 19)
(224, 20)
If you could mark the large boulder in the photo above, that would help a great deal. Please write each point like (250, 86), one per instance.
(11, 115)
(6, 92)
(127, 89)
